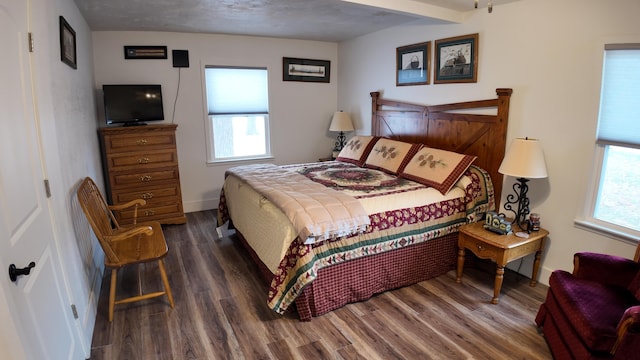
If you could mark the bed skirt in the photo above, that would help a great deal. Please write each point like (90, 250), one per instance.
(359, 279)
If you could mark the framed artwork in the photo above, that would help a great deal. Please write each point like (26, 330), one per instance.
(68, 53)
(456, 60)
(145, 52)
(413, 64)
(294, 69)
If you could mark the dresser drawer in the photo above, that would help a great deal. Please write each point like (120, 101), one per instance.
(143, 179)
(142, 160)
(139, 142)
(150, 194)
(147, 213)
(479, 248)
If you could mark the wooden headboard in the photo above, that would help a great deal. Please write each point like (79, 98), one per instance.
(450, 127)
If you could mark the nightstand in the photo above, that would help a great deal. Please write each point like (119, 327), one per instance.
(499, 248)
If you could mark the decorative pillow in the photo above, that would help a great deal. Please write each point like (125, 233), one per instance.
(357, 149)
(391, 155)
(437, 168)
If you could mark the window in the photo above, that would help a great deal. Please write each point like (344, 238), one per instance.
(238, 113)
(614, 206)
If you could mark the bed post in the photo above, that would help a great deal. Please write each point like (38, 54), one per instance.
(502, 117)
(375, 126)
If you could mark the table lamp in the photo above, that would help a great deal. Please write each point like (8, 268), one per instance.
(524, 160)
(340, 122)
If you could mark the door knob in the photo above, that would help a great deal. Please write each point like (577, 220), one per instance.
(15, 272)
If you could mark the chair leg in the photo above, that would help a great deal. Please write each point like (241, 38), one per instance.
(165, 281)
(112, 293)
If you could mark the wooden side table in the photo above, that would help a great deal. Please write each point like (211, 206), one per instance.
(499, 248)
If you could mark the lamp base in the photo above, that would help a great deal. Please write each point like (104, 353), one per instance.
(520, 198)
(339, 145)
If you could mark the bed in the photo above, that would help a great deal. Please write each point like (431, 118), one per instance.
(378, 226)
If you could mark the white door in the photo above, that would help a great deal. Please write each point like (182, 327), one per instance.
(36, 307)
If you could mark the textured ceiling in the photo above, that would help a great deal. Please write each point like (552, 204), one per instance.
(324, 20)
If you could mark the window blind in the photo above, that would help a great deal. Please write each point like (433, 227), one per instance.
(237, 90)
(619, 118)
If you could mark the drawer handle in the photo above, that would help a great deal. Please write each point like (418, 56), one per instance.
(142, 142)
(149, 212)
(145, 178)
(480, 247)
(147, 196)
(144, 160)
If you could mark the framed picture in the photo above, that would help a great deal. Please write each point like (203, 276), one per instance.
(294, 69)
(413, 64)
(145, 52)
(456, 60)
(68, 53)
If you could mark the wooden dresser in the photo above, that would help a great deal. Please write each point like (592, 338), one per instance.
(142, 162)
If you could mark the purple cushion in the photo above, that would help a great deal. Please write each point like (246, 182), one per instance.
(593, 308)
(604, 268)
(634, 286)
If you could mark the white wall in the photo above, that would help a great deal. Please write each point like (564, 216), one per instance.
(300, 113)
(550, 53)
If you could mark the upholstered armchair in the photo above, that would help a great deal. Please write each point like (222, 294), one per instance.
(594, 312)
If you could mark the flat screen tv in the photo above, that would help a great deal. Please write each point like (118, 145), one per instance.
(132, 104)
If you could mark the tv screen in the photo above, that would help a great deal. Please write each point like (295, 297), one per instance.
(132, 104)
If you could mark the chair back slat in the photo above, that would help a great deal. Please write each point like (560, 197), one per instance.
(99, 215)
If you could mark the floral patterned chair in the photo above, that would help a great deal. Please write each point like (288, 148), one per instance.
(593, 313)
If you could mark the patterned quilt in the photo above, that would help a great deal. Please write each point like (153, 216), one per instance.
(401, 212)
(316, 212)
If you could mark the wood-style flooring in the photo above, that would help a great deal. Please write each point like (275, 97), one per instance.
(220, 313)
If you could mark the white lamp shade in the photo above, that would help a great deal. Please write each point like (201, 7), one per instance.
(341, 121)
(524, 159)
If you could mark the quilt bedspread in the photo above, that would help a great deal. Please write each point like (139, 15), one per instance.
(401, 213)
(316, 212)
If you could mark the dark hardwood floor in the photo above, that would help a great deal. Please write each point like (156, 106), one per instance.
(220, 313)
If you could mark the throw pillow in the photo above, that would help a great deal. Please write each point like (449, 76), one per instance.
(437, 168)
(391, 156)
(356, 150)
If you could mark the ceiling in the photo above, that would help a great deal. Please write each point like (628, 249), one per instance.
(322, 20)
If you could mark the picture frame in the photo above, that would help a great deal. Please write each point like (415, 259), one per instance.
(307, 70)
(68, 54)
(145, 52)
(413, 64)
(456, 60)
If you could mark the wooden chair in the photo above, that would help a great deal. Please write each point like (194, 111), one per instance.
(122, 246)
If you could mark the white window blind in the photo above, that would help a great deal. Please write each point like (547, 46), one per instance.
(619, 122)
(238, 113)
(237, 91)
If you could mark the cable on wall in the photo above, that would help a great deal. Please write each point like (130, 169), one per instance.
(175, 101)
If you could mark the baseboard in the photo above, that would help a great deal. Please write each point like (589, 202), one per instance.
(200, 205)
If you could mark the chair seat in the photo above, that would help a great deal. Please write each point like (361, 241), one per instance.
(594, 309)
(141, 248)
